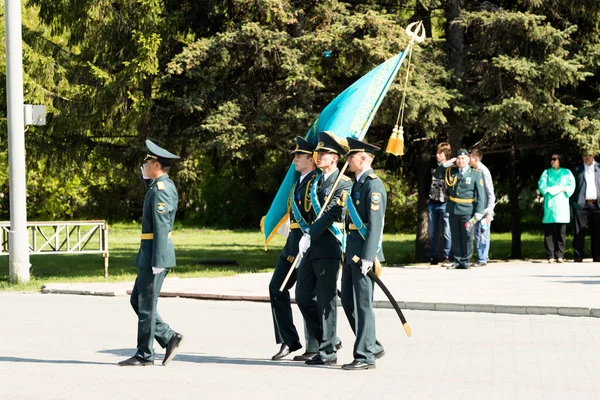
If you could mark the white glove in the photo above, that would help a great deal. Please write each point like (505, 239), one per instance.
(478, 216)
(554, 190)
(449, 163)
(157, 270)
(304, 243)
(365, 266)
(143, 169)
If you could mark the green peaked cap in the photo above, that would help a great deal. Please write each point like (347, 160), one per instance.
(357, 146)
(158, 153)
(303, 146)
(328, 142)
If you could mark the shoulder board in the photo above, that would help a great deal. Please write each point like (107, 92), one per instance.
(373, 176)
(476, 170)
(160, 185)
(346, 178)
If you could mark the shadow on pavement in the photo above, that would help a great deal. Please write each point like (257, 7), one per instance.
(37, 360)
(203, 359)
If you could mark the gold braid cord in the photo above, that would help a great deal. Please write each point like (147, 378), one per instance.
(450, 181)
(307, 196)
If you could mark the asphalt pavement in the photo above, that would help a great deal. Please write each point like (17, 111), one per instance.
(67, 347)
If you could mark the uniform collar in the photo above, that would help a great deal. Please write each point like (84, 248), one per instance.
(327, 175)
(160, 178)
(360, 177)
(307, 175)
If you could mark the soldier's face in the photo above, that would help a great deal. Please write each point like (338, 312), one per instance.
(355, 162)
(152, 168)
(326, 160)
(303, 162)
(462, 161)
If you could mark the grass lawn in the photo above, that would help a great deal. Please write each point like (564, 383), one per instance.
(192, 245)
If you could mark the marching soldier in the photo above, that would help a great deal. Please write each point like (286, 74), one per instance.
(155, 258)
(300, 203)
(465, 191)
(366, 208)
(324, 243)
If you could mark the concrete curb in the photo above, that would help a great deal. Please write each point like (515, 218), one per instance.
(408, 305)
(83, 292)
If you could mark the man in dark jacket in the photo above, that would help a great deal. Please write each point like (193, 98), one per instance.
(300, 204)
(586, 207)
(323, 244)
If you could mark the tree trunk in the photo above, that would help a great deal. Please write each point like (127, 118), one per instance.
(422, 239)
(455, 38)
(515, 213)
(455, 44)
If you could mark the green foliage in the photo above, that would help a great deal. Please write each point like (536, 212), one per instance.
(228, 85)
(401, 211)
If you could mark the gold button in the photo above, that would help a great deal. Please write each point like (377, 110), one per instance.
(357, 202)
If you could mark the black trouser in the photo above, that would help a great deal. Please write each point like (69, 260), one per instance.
(462, 240)
(589, 216)
(554, 240)
(281, 307)
(319, 275)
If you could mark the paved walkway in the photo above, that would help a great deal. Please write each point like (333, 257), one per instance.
(67, 347)
(571, 289)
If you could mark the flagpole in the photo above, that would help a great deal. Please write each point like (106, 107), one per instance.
(413, 36)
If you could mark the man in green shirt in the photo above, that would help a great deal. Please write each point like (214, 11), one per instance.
(155, 257)
(366, 208)
(466, 195)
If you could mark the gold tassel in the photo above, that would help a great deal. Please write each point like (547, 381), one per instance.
(399, 150)
(392, 142)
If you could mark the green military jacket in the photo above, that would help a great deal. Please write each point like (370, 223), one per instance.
(323, 243)
(466, 194)
(370, 199)
(160, 205)
(301, 196)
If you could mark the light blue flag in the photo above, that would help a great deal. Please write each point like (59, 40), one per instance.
(349, 114)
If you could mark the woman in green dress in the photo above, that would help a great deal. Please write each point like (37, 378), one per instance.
(556, 185)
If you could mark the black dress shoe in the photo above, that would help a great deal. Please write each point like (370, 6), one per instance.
(578, 260)
(172, 348)
(338, 345)
(284, 350)
(317, 360)
(136, 361)
(356, 365)
(379, 354)
(305, 357)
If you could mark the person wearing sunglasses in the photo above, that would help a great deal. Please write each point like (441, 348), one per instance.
(556, 185)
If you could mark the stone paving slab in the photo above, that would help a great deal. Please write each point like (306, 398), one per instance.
(570, 289)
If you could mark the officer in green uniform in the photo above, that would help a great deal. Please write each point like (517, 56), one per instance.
(465, 191)
(155, 257)
(300, 204)
(366, 209)
(322, 245)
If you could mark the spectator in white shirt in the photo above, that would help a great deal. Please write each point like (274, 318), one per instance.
(482, 228)
(586, 207)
